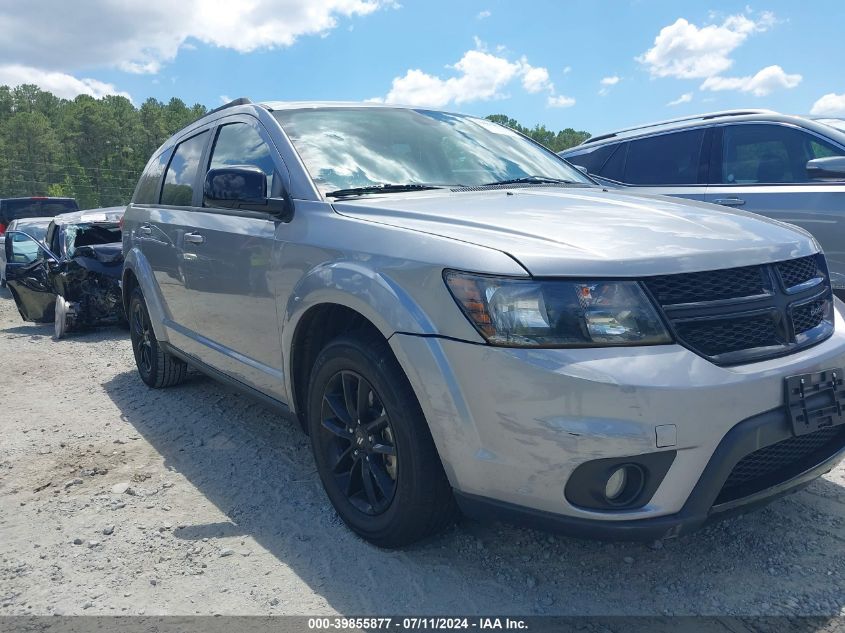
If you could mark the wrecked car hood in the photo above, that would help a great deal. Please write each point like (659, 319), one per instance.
(590, 231)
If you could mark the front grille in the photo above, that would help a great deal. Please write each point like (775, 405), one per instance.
(780, 462)
(749, 313)
(797, 271)
(809, 315)
(712, 285)
(713, 338)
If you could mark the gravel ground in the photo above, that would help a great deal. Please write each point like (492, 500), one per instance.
(115, 499)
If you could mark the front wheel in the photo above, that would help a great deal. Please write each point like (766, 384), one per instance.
(62, 317)
(158, 368)
(372, 446)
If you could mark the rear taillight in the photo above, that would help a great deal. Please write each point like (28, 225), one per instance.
(120, 224)
(2, 228)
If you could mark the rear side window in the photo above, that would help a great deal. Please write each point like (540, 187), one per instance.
(181, 175)
(764, 153)
(149, 186)
(16, 209)
(668, 159)
(241, 144)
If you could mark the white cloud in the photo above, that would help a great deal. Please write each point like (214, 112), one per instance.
(560, 101)
(567, 70)
(607, 83)
(686, 51)
(225, 99)
(483, 15)
(142, 36)
(764, 82)
(60, 84)
(535, 79)
(830, 104)
(481, 76)
(684, 98)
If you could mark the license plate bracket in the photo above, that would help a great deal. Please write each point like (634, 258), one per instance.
(816, 401)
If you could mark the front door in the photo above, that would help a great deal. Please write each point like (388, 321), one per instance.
(27, 275)
(762, 168)
(228, 257)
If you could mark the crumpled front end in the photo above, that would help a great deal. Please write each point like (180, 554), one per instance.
(90, 282)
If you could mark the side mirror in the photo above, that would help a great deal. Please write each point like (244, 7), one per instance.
(581, 168)
(243, 187)
(829, 168)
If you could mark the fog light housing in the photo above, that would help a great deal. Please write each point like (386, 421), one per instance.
(618, 483)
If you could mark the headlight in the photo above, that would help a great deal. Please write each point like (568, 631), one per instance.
(528, 313)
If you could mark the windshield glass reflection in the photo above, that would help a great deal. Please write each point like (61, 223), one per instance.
(352, 147)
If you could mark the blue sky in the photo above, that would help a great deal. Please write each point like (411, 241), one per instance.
(539, 62)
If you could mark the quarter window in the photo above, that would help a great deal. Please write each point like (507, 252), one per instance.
(241, 144)
(181, 176)
(667, 159)
(767, 154)
(149, 186)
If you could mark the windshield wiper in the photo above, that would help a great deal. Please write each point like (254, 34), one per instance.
(540, 180)
(384, 188)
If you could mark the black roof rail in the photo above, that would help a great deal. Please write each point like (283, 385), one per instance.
(695, 117)
(234, 102)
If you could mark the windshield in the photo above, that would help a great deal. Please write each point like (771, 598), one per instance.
(91, 234)
(345, 148)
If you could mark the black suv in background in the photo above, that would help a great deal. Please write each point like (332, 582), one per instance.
(34, 207)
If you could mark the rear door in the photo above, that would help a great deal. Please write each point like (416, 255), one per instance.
(228, 258)
(761, 167)
(164, 204)
(27, 275)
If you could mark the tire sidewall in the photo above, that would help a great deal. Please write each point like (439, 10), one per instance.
(137, 298)
(346, 355)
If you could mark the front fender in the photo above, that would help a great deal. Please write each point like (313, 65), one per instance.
(140, 267)
(374, 295)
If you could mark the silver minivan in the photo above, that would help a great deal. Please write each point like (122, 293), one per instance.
(460, 319)
(788, 168)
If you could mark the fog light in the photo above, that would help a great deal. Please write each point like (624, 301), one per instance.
(615, 485)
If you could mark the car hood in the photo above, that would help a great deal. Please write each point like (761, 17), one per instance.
(590, 231)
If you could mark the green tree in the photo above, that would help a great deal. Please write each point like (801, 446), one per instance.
(555, 141)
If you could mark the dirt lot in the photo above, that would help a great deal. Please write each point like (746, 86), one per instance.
(115, 499)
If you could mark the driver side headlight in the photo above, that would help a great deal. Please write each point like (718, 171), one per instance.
(527, 313)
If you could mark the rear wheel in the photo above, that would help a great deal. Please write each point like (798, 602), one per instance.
(158, 368)
(372, 446)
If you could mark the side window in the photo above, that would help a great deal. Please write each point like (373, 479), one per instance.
(149, 185)
(765, 154)
(241, 144)
(180, 178)
(667, 159)
(595, 159)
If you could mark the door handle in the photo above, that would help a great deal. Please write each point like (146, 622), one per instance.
(730, 202)
(145, 230)
(194, 238)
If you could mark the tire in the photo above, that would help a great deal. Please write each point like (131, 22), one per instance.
(62, 317)
(395, 491)
(157, 367)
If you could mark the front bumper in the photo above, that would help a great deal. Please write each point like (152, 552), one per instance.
(511, 425)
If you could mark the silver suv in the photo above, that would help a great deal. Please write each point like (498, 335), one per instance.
(788, 168)
(461, 319)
